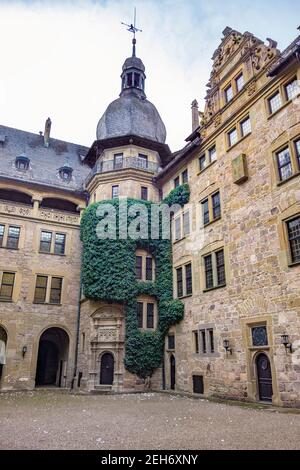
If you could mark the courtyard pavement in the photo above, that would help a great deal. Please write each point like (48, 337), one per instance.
(55, 420)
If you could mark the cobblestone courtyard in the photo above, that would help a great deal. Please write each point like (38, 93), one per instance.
(54, 420)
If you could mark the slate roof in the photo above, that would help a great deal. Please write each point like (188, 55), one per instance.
(44, 162)
(285, 57)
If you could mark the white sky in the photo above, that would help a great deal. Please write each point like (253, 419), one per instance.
(63, 59)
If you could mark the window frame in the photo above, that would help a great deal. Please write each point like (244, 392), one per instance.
(142, 313)
(213, 271)
(10, 237)
(12, 286)
(291, 145)
(204, 160)
(208, 216)
(53, 243)
(144, 193)
(113, 188)
(282, 91)
(207, 340)
(184, 283)
(291, 261)
(48, 289)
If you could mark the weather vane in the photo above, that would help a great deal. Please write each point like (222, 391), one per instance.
(133, 29)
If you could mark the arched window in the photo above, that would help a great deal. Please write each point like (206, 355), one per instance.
(59, 204)
(22, 163)
(15, 196)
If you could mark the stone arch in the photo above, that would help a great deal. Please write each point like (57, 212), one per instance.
(52, 357)
(107, 367)
(264, 378)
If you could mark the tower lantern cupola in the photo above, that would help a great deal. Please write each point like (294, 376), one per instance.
(133, 75)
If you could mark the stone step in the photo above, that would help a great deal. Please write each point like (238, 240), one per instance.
(102, 389)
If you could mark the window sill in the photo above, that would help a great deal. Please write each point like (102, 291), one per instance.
(10, 301)
(295, 263)
(46, 303)
(185, 296)
(280, 109)
(179, 240)
(258, 348)
(211, 222)
(206, 168)
(201, 355)
(9, 248)
(49, 253)
(280, 183)
(214, 288)
(238, 142)
(170, 350)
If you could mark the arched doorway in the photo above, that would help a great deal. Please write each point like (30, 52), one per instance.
(52, 359)
(107, 369)
(172, 372)
(264, 377)
(3, 341)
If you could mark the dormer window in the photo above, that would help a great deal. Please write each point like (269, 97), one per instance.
(22, 163)
(65, 173)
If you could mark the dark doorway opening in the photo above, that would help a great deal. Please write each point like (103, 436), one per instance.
(107, 369)
(172, 372)
(264, 378)
(198, 386)
(52, 359)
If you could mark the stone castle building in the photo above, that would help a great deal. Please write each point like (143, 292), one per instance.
(235, 245)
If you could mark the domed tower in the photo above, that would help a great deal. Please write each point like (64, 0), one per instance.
(130, 146)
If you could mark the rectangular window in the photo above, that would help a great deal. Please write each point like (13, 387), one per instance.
(196, 341)
(13, 237)
(55, 291)
(292, 89)
(229, 94)
(294, 238)
(211, 340)
(115, 192)
(188, 279)
(118, 161)
(246, 127)
(203, 341)
(297, 147)
(139, 267)
(179, 282)
(275, 103)
(150, 315)
(177, 222)
(284, 164)
(40, 289)
(143, 161)
(59, 243)
(2, 227)
(240, 82)
(205, 212)
(202, 162)
(45, 242)
(186, 223)
(232, 137)
(139, 314)
(185, 176)
(171, 341)
(212, 153)
(220, 267)
(7, 286)
(259, 336)
(144, 193)
(149, 269)
(208, 271)
(216, 205)
(176, 182)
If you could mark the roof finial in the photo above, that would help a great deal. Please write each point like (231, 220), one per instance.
(133, 29)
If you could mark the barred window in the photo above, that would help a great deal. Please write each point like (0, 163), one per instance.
(292, 89)
(188, 279)
(186, 223)
(208, 271)
(138, 267)
(45, 242)
(139, 314)
(149, 269)
(216, 205)
(232, 137)
(294, 238)
(179, 282)
(240, 82)
(59, 243)
(40, 289)
(220, 267)
(150, 315)
(55, 291)
(2, 228)
(284, 164)
(7, 286)
(205, 212)
(245, 127)
(275, 103)
(13, 237)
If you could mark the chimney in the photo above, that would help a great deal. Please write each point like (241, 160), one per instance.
(195, 115)
(47, 132)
